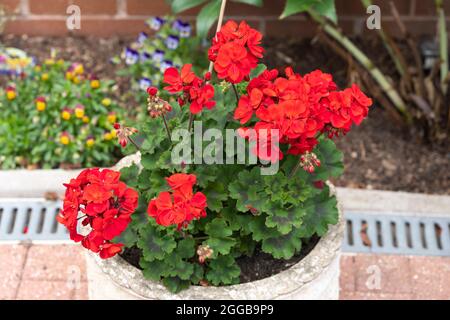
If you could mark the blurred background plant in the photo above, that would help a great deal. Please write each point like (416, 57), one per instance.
(56, 115)
(12, 60)
(168, 42)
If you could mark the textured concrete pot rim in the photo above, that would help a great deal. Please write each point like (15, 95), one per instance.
(131, 279)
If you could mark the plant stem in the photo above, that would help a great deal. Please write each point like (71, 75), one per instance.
(219, 25)
(297, 166)
(393, 50)
(443, 44)
(191, 122)
(376, 73)
(134, 143)
(167, 128)
(235, 92)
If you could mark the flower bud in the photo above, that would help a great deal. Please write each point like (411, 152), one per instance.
(152, 91)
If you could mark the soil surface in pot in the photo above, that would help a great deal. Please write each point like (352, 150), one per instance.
(379, 154)
(259, 266)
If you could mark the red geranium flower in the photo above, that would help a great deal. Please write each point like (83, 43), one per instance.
(235, 51)
(177, 81)
(192, 89)
(100, 203)
(301, 108)
(181, 205)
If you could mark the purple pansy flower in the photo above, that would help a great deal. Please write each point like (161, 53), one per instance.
(172, 42)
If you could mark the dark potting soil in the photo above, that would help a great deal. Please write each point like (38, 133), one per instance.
(259, 266)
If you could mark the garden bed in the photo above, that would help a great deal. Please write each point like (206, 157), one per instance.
(378, 155)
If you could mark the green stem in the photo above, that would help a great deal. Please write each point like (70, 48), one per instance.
(376, 73)
(134, 143)
(235, 92)
(191, 122)
(393, 51)
(167, 128)
(443, 44)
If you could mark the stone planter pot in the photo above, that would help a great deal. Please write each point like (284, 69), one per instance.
(23, 183)
(315, 277)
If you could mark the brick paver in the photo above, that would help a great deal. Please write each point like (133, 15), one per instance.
(59, 272)
(391, 277)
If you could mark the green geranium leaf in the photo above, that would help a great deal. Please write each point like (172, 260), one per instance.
(154, 270)
(154, 244)
(331, 160)
(220, 245)
(186, 248)
(218, 228)
(321, 211)
(258, 3)
(176, 284)
(223, 270)
(130, 175)
(259, 230)
(216, 194)
(258, 70)
(283, 247)
(282, 218)
(248, 190)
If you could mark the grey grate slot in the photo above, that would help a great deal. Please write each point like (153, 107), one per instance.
(30, 219)
(391, 234)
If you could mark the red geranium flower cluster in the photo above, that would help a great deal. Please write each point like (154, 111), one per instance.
(181, 205)
(298, 108)
(97, 208)
(195, 90)
(235, 51)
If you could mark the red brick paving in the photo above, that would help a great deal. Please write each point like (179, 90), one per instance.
(381, 277)
(59, 272)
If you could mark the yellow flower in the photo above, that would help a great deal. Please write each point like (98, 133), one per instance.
(90, 142)
(112, 118)
(69, 75)
(40, 106)
(10, 94)
(95, 84)
(106, 102)
(38, 68)
(79, 113)
(65, 115)
(64, 139)
(108, 136)
(86, 119)
(76, 80)
(79, 69)
(49, 62)
(113, 133)
(60, 62)
(45, 76)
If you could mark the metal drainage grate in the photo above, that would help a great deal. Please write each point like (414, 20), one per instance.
(35, 220)
(407, 235)
(30, 219)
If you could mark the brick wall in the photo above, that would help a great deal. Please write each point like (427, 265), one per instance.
(126, 17)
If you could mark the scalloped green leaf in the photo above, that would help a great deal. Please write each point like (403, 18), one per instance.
(154, 244)
(331, 159)
(223, 270)
(283, 247)
(321, 211)
(248, 190)
(218, 228)
(259, 230)
(284, 219)
(215, 193)
(176, 284)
